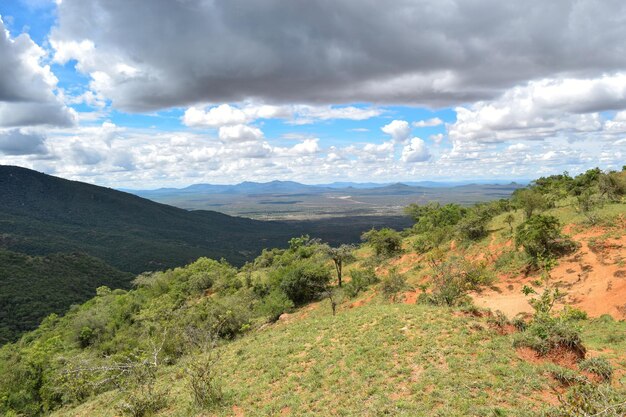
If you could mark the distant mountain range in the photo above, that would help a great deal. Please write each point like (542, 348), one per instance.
(282, 200)
(292, 187)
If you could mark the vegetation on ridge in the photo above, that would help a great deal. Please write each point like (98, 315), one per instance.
(200, 338)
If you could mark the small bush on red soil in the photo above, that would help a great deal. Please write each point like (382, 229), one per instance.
(541, 237)
(588, 399)
(452, 279)
(547, 332)
(598, 366)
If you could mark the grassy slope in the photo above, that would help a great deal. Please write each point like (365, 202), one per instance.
(379, 359)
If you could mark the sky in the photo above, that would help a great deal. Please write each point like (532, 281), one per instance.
(156, 93)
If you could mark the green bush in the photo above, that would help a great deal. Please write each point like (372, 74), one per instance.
(360, 280)
(530, 201)
(588, 399)
(453, 279)
(392, 284)
(303, 281)
(275, 304)
(427, 241)
(386, 242)
(572, 313)
(598, 366)
(434, 216)
(473, 226)
(547, 334)
(540, 236)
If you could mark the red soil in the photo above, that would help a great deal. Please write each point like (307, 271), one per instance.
(593, 278)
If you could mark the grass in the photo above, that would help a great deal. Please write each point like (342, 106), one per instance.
(379, 359)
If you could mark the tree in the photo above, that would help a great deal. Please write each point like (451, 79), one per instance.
(473, 225)
(339, 256)
(541, 237)
(529, 200)
(586, 203)
(386, 242)
(612, 185)
(432, 215)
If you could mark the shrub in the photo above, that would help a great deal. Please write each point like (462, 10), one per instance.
(453, 279)
(589, 399)
(432, 239)
(361, 279)
(512, 261)
(142, 402)
(541, 236)
(204, 381)
(529, 200)
(141, 396)
(392, 284)
(433, 216)
(303, 281)
(473, 225)
(386, 242)
(275, 304)
(566, 377)
(598, 366)
(519, 323)
(572, 313)
(549, 334)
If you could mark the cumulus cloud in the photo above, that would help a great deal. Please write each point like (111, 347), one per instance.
(20, 142)
(240, 133)
(435, 121)
(399, 130)
(222, 115)
(415, 151)
(226, 114)
(27, 86)
(542, 109)
(443, 53)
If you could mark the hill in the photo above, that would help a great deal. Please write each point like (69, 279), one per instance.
(78, 227)
(403, 335)
(32, 287)
(41, 214)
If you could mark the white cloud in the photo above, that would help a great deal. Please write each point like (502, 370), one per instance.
(437, 138)
(399, 130)
(27, 85)
(415, 151)
(542, 109)
(226, 114)
(435, 121)
(240, 133)
(222, 115)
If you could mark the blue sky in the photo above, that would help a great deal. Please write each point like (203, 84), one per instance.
(118, 94)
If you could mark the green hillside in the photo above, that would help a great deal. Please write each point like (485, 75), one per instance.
(280, 336)
(42, 214)
(31, 287)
